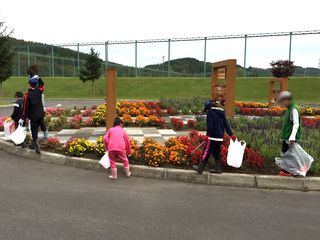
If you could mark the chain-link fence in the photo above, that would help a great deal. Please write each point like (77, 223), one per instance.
(177, 57)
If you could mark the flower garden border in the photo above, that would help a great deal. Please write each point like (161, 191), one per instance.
(188, 176)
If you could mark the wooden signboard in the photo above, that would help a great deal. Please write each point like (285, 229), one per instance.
(111, 97)
(276, 85)
(223, 84)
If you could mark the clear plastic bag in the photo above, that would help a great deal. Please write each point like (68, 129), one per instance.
(295, 160)
(235, 153)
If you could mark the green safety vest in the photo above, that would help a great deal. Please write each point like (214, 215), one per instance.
(287, 123)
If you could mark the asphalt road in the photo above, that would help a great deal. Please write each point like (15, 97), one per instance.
(7, 111)
(44, 201)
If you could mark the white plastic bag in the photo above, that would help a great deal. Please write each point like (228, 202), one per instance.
(105, 161)
(19, 135)
(9, 127)
(235, 153)
(295, 160)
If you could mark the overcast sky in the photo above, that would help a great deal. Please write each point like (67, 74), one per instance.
(100, 20)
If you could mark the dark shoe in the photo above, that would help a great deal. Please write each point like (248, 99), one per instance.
(199, 168)
(24, 145)
(217, 167)
(37, 148)
(215, 171)
(32, 145)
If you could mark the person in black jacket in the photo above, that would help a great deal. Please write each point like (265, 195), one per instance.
(216, 126)
(33, 72)
(17, 109)
(34, 111)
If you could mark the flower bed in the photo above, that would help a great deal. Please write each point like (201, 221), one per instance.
(150, 113)
(251, 104)
(195, 105)
(263, 135)
(2, 120)
(275, 111)
(176, 152)
(133, 114)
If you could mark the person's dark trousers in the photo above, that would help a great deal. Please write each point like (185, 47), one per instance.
(213, 148)
(35, 128)
(285, 147)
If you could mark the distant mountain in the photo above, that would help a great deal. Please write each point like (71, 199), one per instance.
(194, 67)
(184, 66)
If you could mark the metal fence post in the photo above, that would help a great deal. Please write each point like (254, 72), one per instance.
(49, 66)
(19, 64)
(136, 58)
(28, 54)
(78, 58)
(290, 43)
(62, 67)
(245, 57)
(74, 67)
(169, 52)
(52, 61)
(106, 53)
(205, 58)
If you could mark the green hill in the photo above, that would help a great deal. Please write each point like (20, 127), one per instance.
(66, 64)
(65, 60)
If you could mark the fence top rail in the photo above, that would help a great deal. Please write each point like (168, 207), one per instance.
(234, 36)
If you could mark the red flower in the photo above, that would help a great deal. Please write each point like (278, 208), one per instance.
(177, 123)
(192, 123)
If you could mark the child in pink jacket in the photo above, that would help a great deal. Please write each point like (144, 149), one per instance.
(117, 143)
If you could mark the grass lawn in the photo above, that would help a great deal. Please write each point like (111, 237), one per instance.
(305, 89)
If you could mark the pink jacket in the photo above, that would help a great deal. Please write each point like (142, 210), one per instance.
(116, 139)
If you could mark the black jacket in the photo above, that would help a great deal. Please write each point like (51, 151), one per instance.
(33, 105)
(217, 123)
(17, 110)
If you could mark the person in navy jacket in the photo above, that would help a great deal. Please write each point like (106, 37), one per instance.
(217, 124)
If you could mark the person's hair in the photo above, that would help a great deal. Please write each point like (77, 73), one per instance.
(18, 95)
(214, 103)
(117, 121)
(33, 70)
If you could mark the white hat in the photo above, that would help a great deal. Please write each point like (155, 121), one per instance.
(283, 95)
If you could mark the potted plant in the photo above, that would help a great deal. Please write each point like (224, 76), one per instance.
(282, 68)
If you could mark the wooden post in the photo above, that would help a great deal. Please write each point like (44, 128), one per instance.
(111, 97)
(226, 71)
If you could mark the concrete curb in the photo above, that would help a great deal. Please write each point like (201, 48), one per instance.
(6, 105)
(180, 175)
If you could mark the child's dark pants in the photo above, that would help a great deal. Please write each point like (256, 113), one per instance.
(212, 148)
(285, 147)
(35, 128)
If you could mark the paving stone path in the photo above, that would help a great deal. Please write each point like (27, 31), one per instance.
(160, 135)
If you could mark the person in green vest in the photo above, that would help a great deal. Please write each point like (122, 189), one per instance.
(291, 124)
